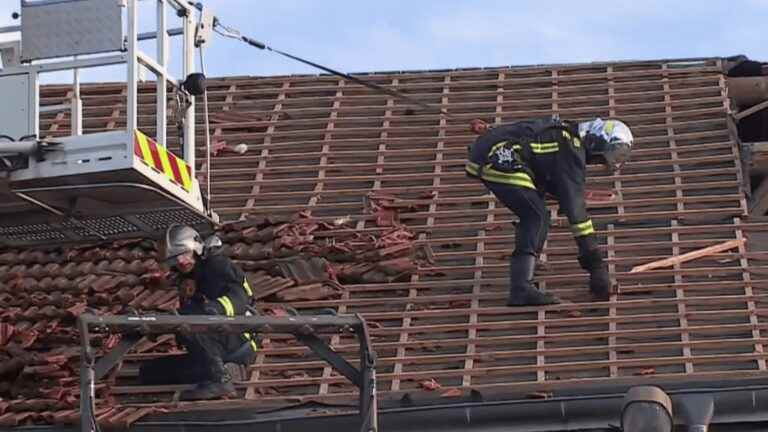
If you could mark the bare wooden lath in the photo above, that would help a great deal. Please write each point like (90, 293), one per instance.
(320, 145)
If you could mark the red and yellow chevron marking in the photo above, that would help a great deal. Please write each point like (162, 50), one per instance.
(162, 161)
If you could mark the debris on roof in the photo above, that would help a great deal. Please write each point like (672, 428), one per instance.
(44, 291)
(689, 256)
(430, 385)
(386, 208)
(221, 147)
(375, 187)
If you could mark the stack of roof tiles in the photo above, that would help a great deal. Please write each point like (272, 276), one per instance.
(371, 172)
(43, 292)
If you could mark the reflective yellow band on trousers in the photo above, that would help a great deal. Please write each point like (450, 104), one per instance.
(229, 308)
(247, 288)
(251, 341)
(582, 229)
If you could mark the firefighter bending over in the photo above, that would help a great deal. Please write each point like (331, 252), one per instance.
(216, 286)
(521, 162)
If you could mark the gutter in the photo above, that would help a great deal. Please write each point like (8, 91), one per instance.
(731, 405)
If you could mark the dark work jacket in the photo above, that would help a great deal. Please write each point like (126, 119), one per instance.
(219, 281)
(542, 154)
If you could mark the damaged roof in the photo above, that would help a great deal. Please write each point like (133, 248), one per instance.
(419, 249)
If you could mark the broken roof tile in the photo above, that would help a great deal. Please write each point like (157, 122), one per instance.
(315, 291)
(422, 193)
(304, 270)
(264, 285)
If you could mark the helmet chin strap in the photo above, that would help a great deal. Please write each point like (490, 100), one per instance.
(210, 244)
(589, 140)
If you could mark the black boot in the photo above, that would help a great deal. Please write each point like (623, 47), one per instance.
(599, 279)
(182, 369)
(237, 372)
(522, 291)
(219, 386)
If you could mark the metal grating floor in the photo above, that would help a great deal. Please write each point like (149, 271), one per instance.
(146, 224)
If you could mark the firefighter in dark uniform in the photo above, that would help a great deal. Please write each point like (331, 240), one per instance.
(521, 162)
(220, 288)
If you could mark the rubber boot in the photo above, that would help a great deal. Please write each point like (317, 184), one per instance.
(236, 371)
(600, 284)
(522, 291)
(182, 369)
(219, 386)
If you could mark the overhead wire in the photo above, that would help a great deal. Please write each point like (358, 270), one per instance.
(207, 124)
(207, 135)
(233, 33)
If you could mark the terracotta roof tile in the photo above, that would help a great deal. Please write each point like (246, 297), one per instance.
(43, 295)
(444, 321)
(304, 270)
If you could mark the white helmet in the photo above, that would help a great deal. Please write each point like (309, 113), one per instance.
(610, 140)
(181, 239)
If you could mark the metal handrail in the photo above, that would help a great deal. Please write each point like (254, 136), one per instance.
(305, 328)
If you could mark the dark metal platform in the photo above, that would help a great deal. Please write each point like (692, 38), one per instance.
(46, 216)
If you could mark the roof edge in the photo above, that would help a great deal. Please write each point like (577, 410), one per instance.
(680, 60)
(745, 404)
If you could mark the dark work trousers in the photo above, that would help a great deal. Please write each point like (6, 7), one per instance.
(528, 205)
(182, 369)
(194, 366)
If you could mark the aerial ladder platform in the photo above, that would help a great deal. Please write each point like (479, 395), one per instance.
(97, 187)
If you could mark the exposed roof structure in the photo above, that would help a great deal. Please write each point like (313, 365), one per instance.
(387, 179)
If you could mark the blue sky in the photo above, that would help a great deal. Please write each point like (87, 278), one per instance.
(356, 36)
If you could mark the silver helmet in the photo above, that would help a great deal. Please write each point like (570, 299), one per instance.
(608, 140)
(181, 239)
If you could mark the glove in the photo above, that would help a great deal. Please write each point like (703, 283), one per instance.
(187, 289)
